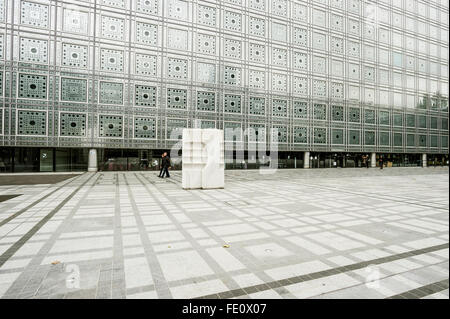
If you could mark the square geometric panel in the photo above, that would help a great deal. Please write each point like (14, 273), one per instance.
(299, 12)
(232, 76)
(146, 64)
(422, 121)
(300, 135)
(206, 15)
(257, 4)
(146, 33)
(112, 28)
(384, 117)
(337, 113)
(75, 21)
(398, 119)
(206, 43)
(369, 74)
(354, 115)
(337, 90)
(433, 141)
(257, 53)
(177, 9)
(207, 124)
(279, 32)
(422, 140)
(257, 133)
(319, 65)
(34, 14)
(206, 72)
(337, 22)
(73, 90)
(145, 96)
(233, 131)
(319, 41)
(279, 7)
(281, 133)
(2, 46)
(300, 109)
(257, 106)
(257, 27)
(398, 139)
(300, 37)
(114, 3)
(257, 79)
(300, 85)
(111, 93)
(232, 48)
(320, 135)
(206, 101)
(31, 122)
(174, 128)
(354, 137)
(32, 86)
(111, 60)
(320, 111)
(279, 108)
(279, 82)
(110, 125)
(369, 116)
(177, 39)
(74, 55)
(33, 50)
(337, 45)
(319, 88)
(177, 99)
(444, 141)
(72, 124)
(300, 61)
(384, 138)
(232, 21)
(369, 138)
(177, 68)
(279, 57)
(147, 6)
(232, 103)
(144, 127)
(410, 120)
(337, 136)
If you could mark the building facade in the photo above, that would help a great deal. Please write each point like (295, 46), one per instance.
(335, 78)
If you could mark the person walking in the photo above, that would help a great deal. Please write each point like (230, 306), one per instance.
(381, 162)
(162, 166)
(365, 159)
(166, 165)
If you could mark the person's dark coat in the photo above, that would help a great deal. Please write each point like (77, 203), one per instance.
(166, 161)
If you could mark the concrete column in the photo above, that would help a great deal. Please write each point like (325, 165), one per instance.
(306, 160)
(92, 160)
(373, 160)
(424, 160)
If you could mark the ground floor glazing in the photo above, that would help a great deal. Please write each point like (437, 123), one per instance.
(36, 159)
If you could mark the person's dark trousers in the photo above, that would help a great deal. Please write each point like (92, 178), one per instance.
(161, 171)
(367, 164)
(165, 171)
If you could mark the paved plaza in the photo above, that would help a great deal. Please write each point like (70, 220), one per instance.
(333, 233)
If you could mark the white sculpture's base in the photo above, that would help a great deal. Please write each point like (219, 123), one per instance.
(203, 159)
(92, 160)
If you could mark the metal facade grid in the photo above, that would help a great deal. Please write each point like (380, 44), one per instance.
(330, 75)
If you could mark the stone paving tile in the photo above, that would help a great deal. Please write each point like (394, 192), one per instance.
(352, 233)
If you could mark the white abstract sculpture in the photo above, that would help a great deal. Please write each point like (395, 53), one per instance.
(203, 159)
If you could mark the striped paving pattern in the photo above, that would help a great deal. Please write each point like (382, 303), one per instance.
(352, 233)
